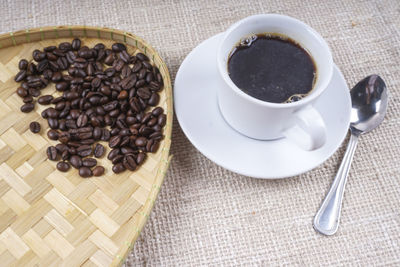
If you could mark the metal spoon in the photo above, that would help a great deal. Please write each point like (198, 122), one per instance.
(369, 104)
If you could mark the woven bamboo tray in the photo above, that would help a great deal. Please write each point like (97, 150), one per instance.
(50, 218)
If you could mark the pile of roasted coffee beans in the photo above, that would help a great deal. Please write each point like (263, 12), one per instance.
(105, 95)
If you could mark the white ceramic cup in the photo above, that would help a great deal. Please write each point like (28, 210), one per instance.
(298, 121)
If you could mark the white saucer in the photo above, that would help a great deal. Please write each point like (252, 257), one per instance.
(200, 119)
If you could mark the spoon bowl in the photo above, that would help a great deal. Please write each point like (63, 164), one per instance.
(369, 104)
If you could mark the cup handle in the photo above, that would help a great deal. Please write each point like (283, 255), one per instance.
(308, 130)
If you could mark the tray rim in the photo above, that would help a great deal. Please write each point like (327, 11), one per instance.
(147, 207)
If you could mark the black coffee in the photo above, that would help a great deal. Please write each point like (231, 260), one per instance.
(272, 68)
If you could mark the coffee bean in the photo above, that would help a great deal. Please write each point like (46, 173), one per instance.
(162, 120)
(113, 153)
(94, 97)
(85, 172)
(65, 155)
(84, 150)
(154, 99)
(141, 141)
(62, 86)
(118, 47)
(75, 161)
(34, 127)
(155, 147)
(114, 141)
(52, 134)
(154, 86)
(129, 162)
(142, 57)
(138, 65)
(23, 64)
(76, 44)
(99, 151)
(98, 171)
(65, 46)
(61, 148)
(82, 120)
(118, 168)
(28, 107)
(51, 153)
(149, 77)
(89, 162)
(27, 99)
(140, 158)
(21, 75)
(109, 59)
(105, 135)
(144, 93)
(63, 166)
(22, 92)
(53, 123)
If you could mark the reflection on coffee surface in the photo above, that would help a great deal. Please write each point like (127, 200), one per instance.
(272, 68)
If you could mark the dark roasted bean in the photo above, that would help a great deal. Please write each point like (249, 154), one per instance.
(28, 107)
(152, 122)
(23, 64)
(50, 56)
(49, 48)
(51, 153)
(52, 134)
(65, 155)
(34, 127)
(32, 68)
(154, 99)
(82, 120)
(22, 92)
(126, 150)
(115, 141)
(113, 153)
(21, 75)
(84, 150)
(89, 162)
(61, 148)
(99, 150)
(85, 172)
(129, 162)
(147, 65)
(63, 166)
(109, 59)
(98, 171)
(118, 47)
(75, 161)
(118, 168)
(140, 158)
(138, 65)
(162, 120)
(65, 46)
(53, 123)
(141, 141)
(142, 57)
(76, 44)
(144, 93)
(105, 135)
(27, 99)
(154, 86)
(149, 77)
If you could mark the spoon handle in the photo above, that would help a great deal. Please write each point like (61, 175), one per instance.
(326, 220)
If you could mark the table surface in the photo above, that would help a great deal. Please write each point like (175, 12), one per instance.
(206, 215)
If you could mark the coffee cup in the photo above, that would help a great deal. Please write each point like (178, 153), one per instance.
(297, 121)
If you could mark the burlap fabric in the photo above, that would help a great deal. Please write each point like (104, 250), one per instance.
(206, 215)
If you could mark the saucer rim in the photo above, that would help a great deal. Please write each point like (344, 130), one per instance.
(244, 172)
